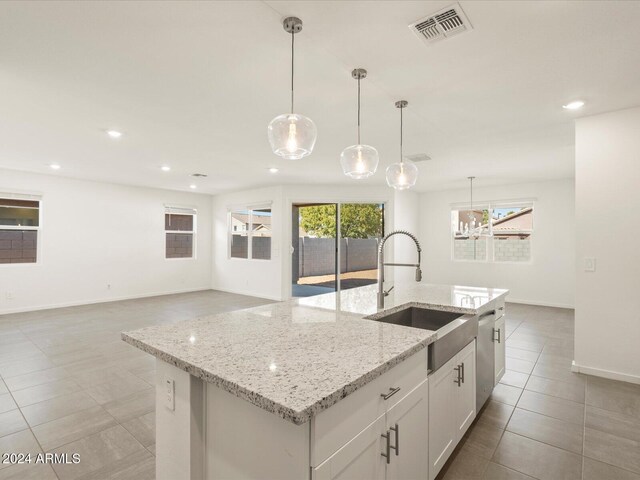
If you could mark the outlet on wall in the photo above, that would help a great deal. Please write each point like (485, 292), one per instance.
(8, 295)
(169, 394)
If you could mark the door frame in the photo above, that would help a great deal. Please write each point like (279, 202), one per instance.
(288, 205)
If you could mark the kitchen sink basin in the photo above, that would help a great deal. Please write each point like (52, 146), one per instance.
(454, 330)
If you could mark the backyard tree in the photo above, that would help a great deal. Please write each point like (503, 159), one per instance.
(357, 220)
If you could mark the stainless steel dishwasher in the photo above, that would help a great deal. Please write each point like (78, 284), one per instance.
(485, 358)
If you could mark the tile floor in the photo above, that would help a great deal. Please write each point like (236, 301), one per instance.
(545, 422)
(68, 384)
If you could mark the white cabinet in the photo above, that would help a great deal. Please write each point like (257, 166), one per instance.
(360, 458)
(499, 348)
(409, 436)
(394, 447)
(465, 390)
(442, 429)
(452, 405)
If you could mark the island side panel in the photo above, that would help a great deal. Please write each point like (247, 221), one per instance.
(246, 442)
(180, 431)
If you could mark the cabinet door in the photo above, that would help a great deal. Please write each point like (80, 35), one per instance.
(442, 428)
(359, 458)
(499, 348)
(465, 410)
(407, 423)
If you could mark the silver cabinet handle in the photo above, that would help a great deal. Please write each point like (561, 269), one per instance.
(494, 335)
(396, 429)
(458, 379)
(391, 393)
(462, 369)
(387, 455)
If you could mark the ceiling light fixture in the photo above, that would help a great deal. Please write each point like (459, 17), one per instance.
(404, 174)
(274, 170)
(193, 187)
(114, 133)
(472, 229)
(54, 166)
(291, 135)
(573, 105)
(359, 161)
(165, 168)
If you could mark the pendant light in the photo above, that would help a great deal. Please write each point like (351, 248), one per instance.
(291, 135)
(359, 161)
(402, 175)
(472, 229)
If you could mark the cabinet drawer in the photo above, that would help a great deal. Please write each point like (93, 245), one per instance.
(334, 427)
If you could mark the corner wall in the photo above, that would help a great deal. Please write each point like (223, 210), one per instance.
(607, 339)
(549, 279)
(97, 234)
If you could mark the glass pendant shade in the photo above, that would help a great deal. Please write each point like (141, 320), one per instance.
(402, 175)
(292, 136)
(359, 161)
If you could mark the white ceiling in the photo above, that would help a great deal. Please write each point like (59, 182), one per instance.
(194, 85)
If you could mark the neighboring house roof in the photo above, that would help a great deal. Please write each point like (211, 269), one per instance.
(516, 221)
(257, 219)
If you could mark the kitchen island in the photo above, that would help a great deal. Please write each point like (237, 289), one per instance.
(304, 388)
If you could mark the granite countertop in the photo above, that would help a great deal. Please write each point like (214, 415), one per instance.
(299, 357)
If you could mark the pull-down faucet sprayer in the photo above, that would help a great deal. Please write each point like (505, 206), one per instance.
(381, 292)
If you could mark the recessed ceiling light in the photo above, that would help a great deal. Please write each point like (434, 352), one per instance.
(274, 170)
(165, 168)
(573, 105)
(193, 187)
(54, 166)
(114, 133)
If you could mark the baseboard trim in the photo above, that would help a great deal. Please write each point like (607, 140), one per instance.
(539, 304)
(102, 300)
(246, 293)
(599, 372)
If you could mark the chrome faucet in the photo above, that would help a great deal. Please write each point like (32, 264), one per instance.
(381, 292)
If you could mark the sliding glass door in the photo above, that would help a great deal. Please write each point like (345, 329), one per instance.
(316, 251)
(361, 229)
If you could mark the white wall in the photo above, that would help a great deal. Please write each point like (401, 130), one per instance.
(261, 278)
(406, 207)
(607, 339)
(94, 234)
(272, 279)
(549, 279)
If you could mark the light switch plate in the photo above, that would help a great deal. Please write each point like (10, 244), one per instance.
(170, 394)
(589, 264)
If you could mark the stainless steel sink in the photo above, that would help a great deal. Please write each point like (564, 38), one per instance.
(454, 330)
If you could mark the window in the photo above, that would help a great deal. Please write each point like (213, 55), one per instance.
(180, 232)
(512, 227)
(498, 232)
(19, 225)
(250, 233)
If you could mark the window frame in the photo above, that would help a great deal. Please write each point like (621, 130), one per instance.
(182, 210)
(490, 237)
(38, 229)
(249, 231)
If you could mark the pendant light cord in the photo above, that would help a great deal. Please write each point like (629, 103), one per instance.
(358, 110)
(292, 41)
(401, 156)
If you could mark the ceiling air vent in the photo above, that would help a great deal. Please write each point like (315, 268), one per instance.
(418, 157)
(446, 23)
(199, 175)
